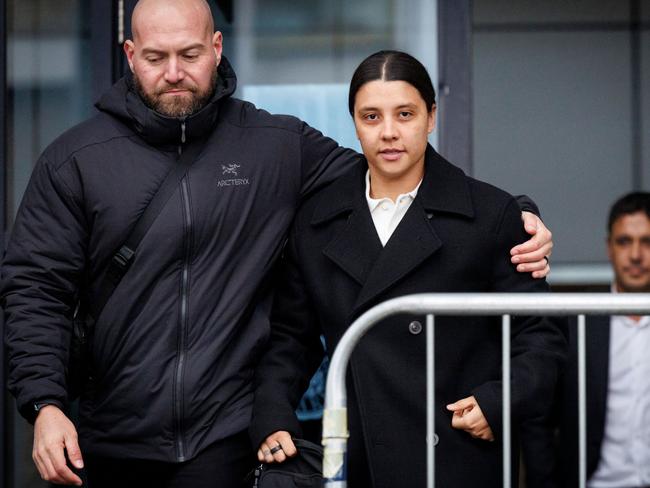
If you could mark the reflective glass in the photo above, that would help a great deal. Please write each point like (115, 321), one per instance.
(48, 89)
(298, 57)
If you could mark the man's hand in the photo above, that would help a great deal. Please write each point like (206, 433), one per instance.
(277, 447)
(54, 436)
(532, 255)
(469, 417)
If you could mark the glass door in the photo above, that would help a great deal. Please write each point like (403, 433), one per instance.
(57, 56)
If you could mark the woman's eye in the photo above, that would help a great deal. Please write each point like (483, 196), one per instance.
(371, 117)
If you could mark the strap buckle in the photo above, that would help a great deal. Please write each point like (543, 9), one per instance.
(122, 259)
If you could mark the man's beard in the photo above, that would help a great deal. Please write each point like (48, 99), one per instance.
(177, 106)
(628, 286)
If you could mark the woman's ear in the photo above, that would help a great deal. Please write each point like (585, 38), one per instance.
(432, 119)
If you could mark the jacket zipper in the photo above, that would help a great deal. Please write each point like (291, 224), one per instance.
(180, 362)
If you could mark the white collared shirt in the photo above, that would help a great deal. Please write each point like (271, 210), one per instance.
(387, 214)
(625, 452)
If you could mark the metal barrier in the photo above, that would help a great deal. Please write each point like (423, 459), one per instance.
(335, 424)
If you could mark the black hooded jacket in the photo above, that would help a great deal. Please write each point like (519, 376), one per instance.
(175, 347)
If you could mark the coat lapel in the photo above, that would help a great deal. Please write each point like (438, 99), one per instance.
(357, 246)
(413, 241)
(445, 190)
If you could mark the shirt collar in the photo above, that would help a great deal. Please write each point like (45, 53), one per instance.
(626, 320)
(374, 202)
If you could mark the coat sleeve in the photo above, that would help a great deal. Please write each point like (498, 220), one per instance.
(538, 344)
(293, 354)
(322, 160)
(526, 204)
(40, 275)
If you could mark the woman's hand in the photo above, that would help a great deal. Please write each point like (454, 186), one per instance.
(469, 417)
(532, 256)
(277, 448)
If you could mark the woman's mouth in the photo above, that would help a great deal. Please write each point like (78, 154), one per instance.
(391, 154)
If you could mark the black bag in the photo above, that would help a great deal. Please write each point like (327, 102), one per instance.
(303, 471)
(78, 371)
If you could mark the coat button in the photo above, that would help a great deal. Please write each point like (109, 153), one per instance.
(415, 327)
(436, 439)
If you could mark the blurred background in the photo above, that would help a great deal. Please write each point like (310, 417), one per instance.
(548, 99)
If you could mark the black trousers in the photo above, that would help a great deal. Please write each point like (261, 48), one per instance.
(224, 464)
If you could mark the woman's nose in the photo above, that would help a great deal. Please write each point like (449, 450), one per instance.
(389, 130)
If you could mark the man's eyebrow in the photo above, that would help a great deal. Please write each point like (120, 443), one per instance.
(151, 50)
(198, 46)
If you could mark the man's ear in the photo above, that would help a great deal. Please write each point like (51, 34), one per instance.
(129, 50)
(217, 45)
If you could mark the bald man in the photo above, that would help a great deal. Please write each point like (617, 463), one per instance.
(168, 399)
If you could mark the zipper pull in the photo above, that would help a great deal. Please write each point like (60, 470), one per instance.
(180, 146)
(258, 474)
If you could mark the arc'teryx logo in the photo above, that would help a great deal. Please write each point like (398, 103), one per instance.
(231, 169)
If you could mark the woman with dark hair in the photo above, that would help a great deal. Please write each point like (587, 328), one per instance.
(404, 221)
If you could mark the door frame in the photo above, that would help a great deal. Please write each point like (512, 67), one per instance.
(455, 82)
(3, 160)
(104, 22)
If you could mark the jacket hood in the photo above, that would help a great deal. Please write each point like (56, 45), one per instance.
(122, 101)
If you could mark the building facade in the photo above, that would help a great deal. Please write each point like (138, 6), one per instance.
(547, 98)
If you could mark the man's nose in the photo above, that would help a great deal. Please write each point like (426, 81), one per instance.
(173, 72)
(636, 252)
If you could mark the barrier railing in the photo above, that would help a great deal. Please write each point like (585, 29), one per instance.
(335, 424)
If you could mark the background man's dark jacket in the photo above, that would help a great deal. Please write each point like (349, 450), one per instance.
(597, 362)
(175, 347)
(455, 237)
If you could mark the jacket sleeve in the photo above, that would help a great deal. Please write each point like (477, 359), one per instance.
(526, 204)
(538, 345)
(322, 160)
(293, 354)
(40, 274)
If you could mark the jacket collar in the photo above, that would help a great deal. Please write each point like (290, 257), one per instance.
(123, 102)
(444, 189)
(356, 249)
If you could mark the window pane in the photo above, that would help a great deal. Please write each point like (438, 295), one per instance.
(298, 57)
(48, 84)
(554, 111)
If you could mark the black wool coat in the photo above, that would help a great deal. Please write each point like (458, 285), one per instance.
(455, 237)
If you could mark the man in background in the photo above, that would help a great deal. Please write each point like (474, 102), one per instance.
(618, 368)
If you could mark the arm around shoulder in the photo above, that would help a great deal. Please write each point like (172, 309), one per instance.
(322, 160)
